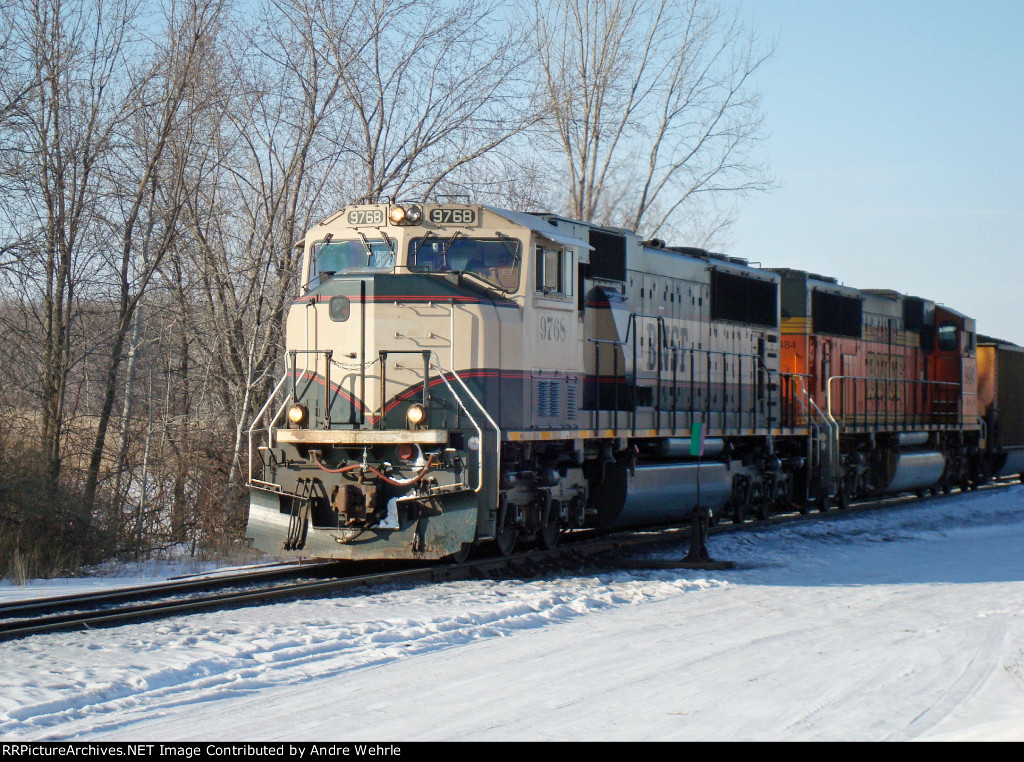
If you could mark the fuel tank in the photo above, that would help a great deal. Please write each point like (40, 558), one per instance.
(1014, 463)
(915, 470)
(659, 494)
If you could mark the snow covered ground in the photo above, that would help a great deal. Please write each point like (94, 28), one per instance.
(894, 625)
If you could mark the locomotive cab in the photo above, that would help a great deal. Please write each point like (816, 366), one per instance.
(405, 363)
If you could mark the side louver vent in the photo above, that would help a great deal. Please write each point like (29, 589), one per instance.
(570, 401)
(548, 399)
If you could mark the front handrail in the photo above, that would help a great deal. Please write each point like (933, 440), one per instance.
(472, 420)
(261, 413)
(443, 375)
(497, 429)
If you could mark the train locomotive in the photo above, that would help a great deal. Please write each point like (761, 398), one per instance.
(460, 375)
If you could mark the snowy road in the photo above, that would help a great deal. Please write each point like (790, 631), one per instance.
(896, 625)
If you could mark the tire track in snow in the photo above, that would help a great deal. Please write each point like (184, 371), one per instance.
(984, 662)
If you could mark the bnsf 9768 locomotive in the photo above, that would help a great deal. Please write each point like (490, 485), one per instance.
(458, 374)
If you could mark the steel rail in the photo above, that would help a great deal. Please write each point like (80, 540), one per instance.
(79, 620)
(195, 583)
(587, 545)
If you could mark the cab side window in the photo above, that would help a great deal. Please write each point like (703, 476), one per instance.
(947, 337)
(554, 271)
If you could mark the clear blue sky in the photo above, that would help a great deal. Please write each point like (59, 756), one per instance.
(897, 138)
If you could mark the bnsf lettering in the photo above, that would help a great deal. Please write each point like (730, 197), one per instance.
(675, 336)
(445, 216)
(552, 329)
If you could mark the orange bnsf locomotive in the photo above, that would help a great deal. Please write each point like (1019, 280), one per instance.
(459, 375)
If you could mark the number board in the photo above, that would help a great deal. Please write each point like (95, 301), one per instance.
(446, 215)
(366, 217)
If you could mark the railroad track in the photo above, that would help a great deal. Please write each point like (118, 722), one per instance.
(26, 617)
(115, 607)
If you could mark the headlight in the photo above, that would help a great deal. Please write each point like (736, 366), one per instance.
(405, 215)
(416, 414)
(297, 414)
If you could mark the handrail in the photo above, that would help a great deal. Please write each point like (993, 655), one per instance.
(296, 375)
(497, 429)
(814, 441)
(924, 409)
(382, 356)
(259, 415)
(289, 373)
(663, 348)
(479, 430)
(427, 366)
(833, 442)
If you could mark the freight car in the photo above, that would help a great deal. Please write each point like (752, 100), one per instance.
(1001, 403)
(458, 374)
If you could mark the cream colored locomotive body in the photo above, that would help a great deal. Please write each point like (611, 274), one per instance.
(459, 375)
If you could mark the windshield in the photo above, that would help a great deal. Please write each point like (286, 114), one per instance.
(335, 257)
(495, 260)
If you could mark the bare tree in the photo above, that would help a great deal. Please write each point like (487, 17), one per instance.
(149, 167)
(264, 171)
(160, 163)
(431, 88)
(97, 121)
(650, 105)
(17, 84)
(325, 101)
(75, 51)
(67, 90)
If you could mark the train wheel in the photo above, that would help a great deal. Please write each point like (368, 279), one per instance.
(739, 513)
(982, 474)
(764, 508)
(976, 479)
(462, 555)
(766, 500)
(549, 536)
(551, 525)
(822, 500)
(505, 536)
(505, 540)
(740, 500)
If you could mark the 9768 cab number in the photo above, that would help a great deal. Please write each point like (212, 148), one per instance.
(444, 215)
(366, 217)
